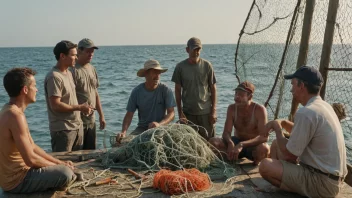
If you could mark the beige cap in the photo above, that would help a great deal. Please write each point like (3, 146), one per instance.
(87, 43)
(150, 64)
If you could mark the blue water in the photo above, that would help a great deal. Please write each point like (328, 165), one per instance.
(117, 67)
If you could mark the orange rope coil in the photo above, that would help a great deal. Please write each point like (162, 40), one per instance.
(181, 181)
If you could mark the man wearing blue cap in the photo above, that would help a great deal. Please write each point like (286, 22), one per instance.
(316, 142)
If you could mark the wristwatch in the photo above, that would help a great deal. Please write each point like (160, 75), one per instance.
(240, 144)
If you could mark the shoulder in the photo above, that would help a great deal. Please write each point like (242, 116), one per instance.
(138, 88)
(15, 115)
(206, 63)
(164, 86)
(259, 108)
(54, 75)
(182, 63)
(231, 107)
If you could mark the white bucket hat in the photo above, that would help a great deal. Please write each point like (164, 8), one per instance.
(150, 64)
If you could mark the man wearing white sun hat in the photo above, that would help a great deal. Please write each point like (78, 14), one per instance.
(154, 100)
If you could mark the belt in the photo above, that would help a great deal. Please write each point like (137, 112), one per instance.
(331, 176)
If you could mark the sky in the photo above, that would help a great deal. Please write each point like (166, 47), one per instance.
(32, 23)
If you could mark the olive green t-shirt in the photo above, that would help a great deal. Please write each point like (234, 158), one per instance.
(195, 80)
(86, 81)
(61, 85)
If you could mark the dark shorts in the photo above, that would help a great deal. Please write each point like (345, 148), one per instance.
(246, 152)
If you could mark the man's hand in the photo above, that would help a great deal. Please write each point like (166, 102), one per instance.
(153, 125)
(212, 118)
(102, 123)
(68, 164)
(182, 118)
(86, 109)
(238, 149)
(119, 137)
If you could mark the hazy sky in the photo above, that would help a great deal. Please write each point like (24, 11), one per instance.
(120, 22)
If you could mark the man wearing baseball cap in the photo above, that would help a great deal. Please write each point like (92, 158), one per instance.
(86, 80)
(152, 99)
(195, 80)
(65, 122)
(249, 119)
(316, 142)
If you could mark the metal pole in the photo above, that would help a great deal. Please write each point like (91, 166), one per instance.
(328, 41)
(304, 46)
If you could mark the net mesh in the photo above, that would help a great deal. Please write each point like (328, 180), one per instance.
(268, 48)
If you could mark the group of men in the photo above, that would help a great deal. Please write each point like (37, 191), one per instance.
(312, 162)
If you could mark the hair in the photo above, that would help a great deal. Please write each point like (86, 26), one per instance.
(312, 89)
(16, 78)
(63, 47)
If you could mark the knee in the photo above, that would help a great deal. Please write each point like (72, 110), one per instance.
(214, 141)
(264, 167)
(263, 150)
(66, 175)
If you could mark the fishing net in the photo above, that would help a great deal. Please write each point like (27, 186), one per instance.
(176, 146)
(269, 47)
(181, 181)
(154, 154)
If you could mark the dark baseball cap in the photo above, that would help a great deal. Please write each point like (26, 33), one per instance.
(307, 74)
(246, 86)
(63, 47)
(194, 43)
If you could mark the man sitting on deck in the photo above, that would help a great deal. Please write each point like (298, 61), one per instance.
(24, 167)
(316, 140)
(152, 99)
(248, 119)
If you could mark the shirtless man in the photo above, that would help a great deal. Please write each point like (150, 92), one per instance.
(248, 119)
(24, 166)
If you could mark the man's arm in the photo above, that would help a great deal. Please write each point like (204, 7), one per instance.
(20, 133)
(58, 106)
(287, 125)
(226, 135)
(213, 118)
(281, 140)
(100, 111)
(127, 121)
(178, 89)
(125, 125)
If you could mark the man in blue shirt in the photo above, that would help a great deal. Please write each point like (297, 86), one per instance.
(154, 100)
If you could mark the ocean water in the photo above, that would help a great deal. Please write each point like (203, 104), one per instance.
(117, 67)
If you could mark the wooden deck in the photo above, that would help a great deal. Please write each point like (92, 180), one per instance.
(248, 183)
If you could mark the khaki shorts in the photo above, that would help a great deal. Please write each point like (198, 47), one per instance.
(206, 130)
(308, 183)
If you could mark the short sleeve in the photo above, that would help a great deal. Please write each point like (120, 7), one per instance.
(96, 77)
(132, 102)
(176, 76)
(54, 86)
(302, 133)
(211, 75)
(170, 99)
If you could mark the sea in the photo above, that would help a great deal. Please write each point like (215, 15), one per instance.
(117, 67)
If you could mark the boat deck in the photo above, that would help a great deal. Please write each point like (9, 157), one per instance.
(248, 182)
